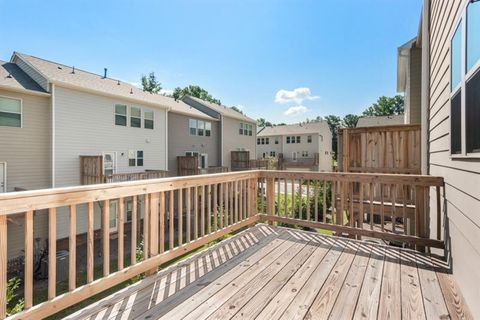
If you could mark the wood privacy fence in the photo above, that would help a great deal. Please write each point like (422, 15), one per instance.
(189, 166)
(309, 163)
(181, 214)
(387, 149)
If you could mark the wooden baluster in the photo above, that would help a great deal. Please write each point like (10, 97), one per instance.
(361, 211)
(159, 221)
(188, 215)
(240, 210)
(146, 226)
(315, 194)
(133, 243)
(72, 248)
(285, 197)
(203, 212)
(371, 205)
(28, 276)
(382, 207)
(52, 253)
(393, 196)
(420, 215)
(231, 202)
(90, 242)
(154, 200)
(171, 218)
(120, 233)
(180, 216)
(308, 200)
(106, 237)
(215, 208)
(235, 199)
(226, 205)
(261, 196)
(279, 207)
(334, 202)
(3, 266)
(406, 226)
(270, 198)
(222, 205)
(195, 212)
(342, 204)
(324, 206)
(439, 214)
(209, 209)
(350, 199)
(300, 199)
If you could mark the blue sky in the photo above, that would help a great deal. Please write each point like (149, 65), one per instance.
(340, 55)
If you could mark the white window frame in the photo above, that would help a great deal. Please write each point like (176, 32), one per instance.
(466, 75)
(145, 119)
(131, 116)
(114, 153)
(115, 115)
(201, 126)
(309, 139)
(21, 111)
(209, 125)
(135, 152)
(4, 163)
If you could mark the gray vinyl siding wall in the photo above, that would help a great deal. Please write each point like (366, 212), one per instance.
(27, 153)
(32, 73)
(180, 140)
(233, 140)
(85, 125)
(462, 177)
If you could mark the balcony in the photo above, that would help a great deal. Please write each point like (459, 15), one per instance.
(306, 245)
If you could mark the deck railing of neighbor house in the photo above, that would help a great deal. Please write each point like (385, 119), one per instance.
(147, 174)
(184, 213)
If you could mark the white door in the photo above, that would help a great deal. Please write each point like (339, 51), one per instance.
(109, 163)
(3, 177)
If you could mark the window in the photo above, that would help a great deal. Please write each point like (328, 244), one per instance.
(267, 140)
(298, 139)
(135, 158)
(192, 124)
(288, 139)
(121, 115)
(148, 117)
(200, 127)
(272, 153)
(109, 163)
(204, 161)
(465, 84)
(305, 154)
(129, 210)
(245, 129)
(258, 141)
(135, 117)
(191, 154)
(276, 140)
(10, 112)
(309, 139)
(263, 140)
(208, 129)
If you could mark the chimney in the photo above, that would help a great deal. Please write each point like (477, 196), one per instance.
(104, 73)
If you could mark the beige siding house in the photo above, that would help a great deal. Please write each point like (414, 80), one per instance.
(449, 40)
(192, 132)
(237, 131)
(297, 142)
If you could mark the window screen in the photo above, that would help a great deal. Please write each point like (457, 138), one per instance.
(473, 34)
(456, 123)
(472, 113)
(456, 56)
(10, 112)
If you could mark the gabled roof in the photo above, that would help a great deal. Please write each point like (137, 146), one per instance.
(224, 110)
(298, 128)
(403, 53)
(13, 78)
(64, 75)
(181, 107)
(380, 121)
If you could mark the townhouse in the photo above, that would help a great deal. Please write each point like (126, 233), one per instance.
(297, 143)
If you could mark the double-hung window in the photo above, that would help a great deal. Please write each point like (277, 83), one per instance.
(245, 129)
(121, 115)
(465, 84)
(201, 127)
(309, 139)
(298, 139)
(135, 117)
(10, 112)
(192, 124)
(135, 158)
(148, 119)
(208, 129)
(288, 139)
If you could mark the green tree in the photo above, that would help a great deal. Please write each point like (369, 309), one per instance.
(236, 109)
(334, 122)
(264, 123)
(151, 84)
(350, 120)
(386, 106)
(194, 91)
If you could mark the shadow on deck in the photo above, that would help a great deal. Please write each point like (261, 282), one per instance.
(270, 272)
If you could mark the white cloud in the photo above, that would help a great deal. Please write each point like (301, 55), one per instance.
(296, 110)
(167, 92)
(296, 96)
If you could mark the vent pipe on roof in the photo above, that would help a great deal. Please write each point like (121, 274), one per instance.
(104, 73)
(131, 91)
(73, 70)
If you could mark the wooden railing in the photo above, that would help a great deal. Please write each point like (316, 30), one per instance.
(148, 174)
(383, 206)
(176, 215)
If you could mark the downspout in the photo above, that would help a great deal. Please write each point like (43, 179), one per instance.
(166, 138)
(53, 134)
(221, 140)
(425, 103)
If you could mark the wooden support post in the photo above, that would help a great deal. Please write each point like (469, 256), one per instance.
(157, 212)
(270, 197)
(106, 237)
(146, 226)
(171, 220)
(153, 224)
(188, 216)
(439, 214)
(420, 215)
(28, 277)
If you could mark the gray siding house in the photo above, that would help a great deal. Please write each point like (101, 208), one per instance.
(448, 38)
(192, 132)
(237, 131)
(297, 142)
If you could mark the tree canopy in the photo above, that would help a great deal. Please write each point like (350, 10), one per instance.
(350, 121)
(386, 106)
(194, 91)
(151, 84)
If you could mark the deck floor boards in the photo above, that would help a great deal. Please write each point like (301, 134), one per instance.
(268, 272)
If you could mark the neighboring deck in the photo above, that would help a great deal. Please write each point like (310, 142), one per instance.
(269, 272)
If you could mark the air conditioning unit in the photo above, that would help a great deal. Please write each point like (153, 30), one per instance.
(62, 266)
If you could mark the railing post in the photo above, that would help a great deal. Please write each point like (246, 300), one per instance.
(3, 266)
(153, 224)
(420, 219)
(253, 194)
(270, 197)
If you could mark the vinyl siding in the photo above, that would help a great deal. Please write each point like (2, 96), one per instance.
(84, 125)
(26, 151)
(34, 74)
(233, 141)
(180, 141)
(267, 148)
(462, 177)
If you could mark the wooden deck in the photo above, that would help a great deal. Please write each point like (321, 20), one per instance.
(269, 272)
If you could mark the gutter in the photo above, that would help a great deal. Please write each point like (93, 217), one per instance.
(166, 137)
(25, 91)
